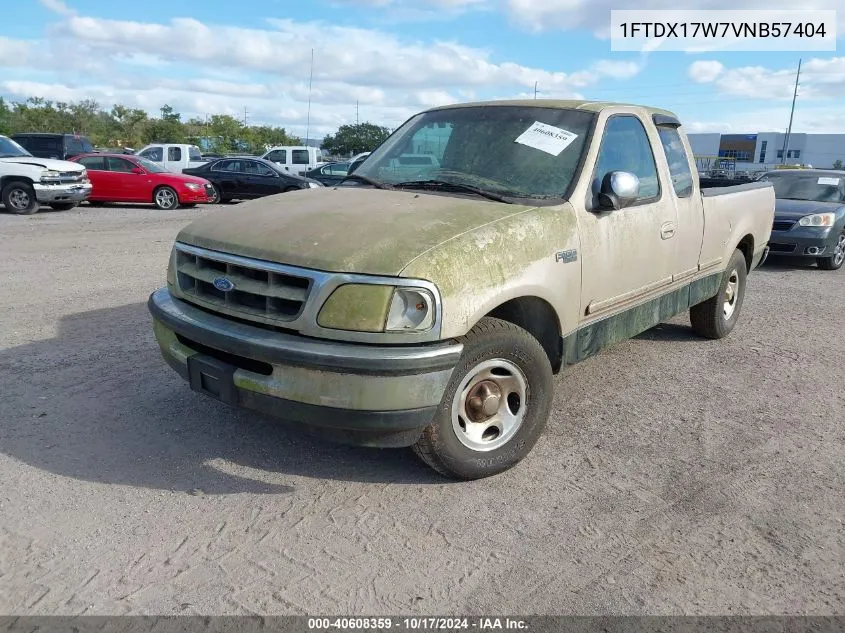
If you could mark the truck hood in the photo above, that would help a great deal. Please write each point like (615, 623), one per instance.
(797, 209)
(45, 163)
(343, 229)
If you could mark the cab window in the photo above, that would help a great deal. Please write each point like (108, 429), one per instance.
(299, 156)
(174, 154)
(153, 153)
(625, 147)
(676, 158)
(278, 156)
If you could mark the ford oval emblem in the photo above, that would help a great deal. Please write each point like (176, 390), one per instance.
(223, 284)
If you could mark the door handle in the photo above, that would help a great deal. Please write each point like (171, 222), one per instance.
(667, 230)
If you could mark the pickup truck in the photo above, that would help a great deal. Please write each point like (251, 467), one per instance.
(432, 309)
(27, 182)
(174, 157)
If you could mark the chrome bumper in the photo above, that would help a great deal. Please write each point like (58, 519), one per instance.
(76, 192)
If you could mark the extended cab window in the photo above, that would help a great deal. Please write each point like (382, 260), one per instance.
(174, 153)
(625, 147)
(299, 156)
(676, 157)
(153, 154)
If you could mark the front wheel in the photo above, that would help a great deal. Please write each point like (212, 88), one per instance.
(165, 198)
(216, 196)
(63, 206)
(835, 261)
(716, 317)
(495, 407)
(19, 198)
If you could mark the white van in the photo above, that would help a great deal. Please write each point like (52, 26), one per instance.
(296, 159)
(173, 156)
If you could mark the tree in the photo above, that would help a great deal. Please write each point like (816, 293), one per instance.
(351, 139)
(837, 164)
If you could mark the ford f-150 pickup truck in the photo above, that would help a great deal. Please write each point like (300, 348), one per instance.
(431, 308)
(27, 181)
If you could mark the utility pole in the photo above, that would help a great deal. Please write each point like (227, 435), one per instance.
(791, 113)
(357, 118)
(535, 89)
(310, 81)
(244, 116)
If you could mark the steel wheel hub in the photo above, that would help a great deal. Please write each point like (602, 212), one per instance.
(731, 294)
(489, 405)
(19, 199)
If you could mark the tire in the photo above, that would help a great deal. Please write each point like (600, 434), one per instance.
(166, 198)
(499, 357)
(716, 317)
(217, 197)
(63, 206)
(835, 261)
(19, 198)
(96, 203)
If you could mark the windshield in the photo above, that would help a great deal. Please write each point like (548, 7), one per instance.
(808, 186)
(150, 166)
(10, 149)
(515, 151)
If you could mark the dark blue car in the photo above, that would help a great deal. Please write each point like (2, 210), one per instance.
(809, 215)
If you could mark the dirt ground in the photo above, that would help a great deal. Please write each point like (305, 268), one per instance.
(677, 475)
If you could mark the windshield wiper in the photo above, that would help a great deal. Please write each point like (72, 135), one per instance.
(454, 186)
(369, 181)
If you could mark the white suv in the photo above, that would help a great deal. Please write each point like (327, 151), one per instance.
(26, 181)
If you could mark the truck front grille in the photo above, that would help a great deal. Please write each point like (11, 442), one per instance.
(65, 178)
(246, 288)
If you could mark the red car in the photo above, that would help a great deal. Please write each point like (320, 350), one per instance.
(128, 178)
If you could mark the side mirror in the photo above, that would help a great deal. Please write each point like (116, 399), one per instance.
(138, 170)
(619, 189)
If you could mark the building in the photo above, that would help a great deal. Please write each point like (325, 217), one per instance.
(764, 150)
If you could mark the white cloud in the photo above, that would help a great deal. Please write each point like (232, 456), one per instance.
(820, 79)
(811, 120)
(57, 6)
(705, 71)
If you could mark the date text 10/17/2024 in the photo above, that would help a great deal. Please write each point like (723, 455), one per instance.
(417, 623)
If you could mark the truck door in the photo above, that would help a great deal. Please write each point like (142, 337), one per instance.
(174, 159)
(299, 161)
(627, 254)
(684, 195)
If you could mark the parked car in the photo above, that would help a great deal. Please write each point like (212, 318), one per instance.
(175, 157)
(27, 181)
(57, 146)
(810, 215)
(330, 173)
(248, 177)
(296, 159)
(434, 312)
(357, 161)
(122, 178)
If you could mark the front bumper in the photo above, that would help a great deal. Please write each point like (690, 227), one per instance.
(76, 192)
(803, 241)
(191, 197)
(364, 394)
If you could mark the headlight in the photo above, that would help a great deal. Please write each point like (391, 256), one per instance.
(50, 175)
(818, 219)
(193, 186)
(411, 309)
(356, 307)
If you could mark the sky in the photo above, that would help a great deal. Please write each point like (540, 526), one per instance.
(383, 60)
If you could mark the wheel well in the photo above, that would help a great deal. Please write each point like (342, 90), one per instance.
(539, 319)
(6, 180)
(746, 245)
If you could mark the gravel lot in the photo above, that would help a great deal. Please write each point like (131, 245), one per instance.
(677, 475)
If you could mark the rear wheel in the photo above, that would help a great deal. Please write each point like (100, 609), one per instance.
(165, 198)
(716, 317)
(19, 198)
(63, 206)
(495, 407)
(835, 261)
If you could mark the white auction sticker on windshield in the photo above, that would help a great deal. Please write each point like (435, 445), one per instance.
(828, 181)
(547, 138)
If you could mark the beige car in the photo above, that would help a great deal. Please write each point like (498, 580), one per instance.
(432, 307)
